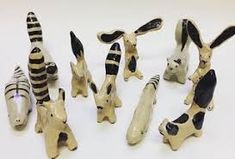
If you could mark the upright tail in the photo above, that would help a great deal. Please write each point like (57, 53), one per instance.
(113, 60)
(181, 33)
(154, 81)
(34, 28)
(77, 46)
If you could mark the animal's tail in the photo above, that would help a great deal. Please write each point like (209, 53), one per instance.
(113, 60)
(77, 46)
(34, 28)
(181, 33)
(154, 81)
(18, 73)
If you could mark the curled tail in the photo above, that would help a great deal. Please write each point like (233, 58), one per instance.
(113, 60)
(154, 81)
(77, 46)
(181, 33)
(34, 28)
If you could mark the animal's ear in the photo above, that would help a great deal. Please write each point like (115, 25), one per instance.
(152, 25)
(77, 46)
(194, 34)
(93, 87)
(61, 94)
(178, 61)
(109, 88)
(226, 34)
(110, 37)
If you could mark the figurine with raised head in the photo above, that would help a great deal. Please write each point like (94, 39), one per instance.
(143, 112)
(177, 63)
(191, 122)
(205, 54)
(36, 39)
(81, 76)
(106, 98)
(17, 95)
(130, 42)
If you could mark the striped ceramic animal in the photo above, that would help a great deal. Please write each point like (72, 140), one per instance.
(130, 42)
(107, 99)
(143, 112)
(17, 95)
(36, 39)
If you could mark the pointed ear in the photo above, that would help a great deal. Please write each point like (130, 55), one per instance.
(77, 46)
(61, 94)
(110, 37)
(152, 25)
(109, 88)
(93, 87)
(226, 34)
(194, 34)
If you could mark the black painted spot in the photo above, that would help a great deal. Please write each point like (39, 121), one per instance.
(36, 50)
(184, 35)
(61, 90)
(198, 120)
(115, 47)
(108, 38)
(153, 24)
(172, 129)
(51, 68)
(109, 88)
(132, 64)
(178, 61)
(194, 34)
(182, 119)
(93, 87)
(77, 46)
(62, 137)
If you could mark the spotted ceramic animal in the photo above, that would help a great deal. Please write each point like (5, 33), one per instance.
(205, 54)
(17, 95)
(106, 98)
(36, 39)
(143, 112)
(177, 63)
(130, 42)
(191, 122)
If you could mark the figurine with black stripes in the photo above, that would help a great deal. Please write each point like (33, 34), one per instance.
(205, 55)
(17, 95)
(130, 43)
(191, 122)
(106, 98)
(177, 63)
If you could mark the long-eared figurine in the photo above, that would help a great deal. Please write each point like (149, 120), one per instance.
(130, 43)
(191, 122)
(143, 112)
(17, 95)
(51, 115)
(205, 54)
(106, 98)
(36, 39)
(177, 63)
(81, 76)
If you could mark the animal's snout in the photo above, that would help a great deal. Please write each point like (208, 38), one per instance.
(18, 120)
(204, 61)
(171, 68)
(99, 107)
(65, 121)
(134, 45)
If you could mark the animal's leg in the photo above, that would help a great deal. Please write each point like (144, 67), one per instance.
(51, 144)
(74, 91)
(38, 125)
(189, 99)
(165, 140)
(211, 106)
(175, 144)
(126, 74)
(111, 115)
(100, 116)
(198, 133)
(182, 77)
(166, 75)
(139, 75)
(84, 91)
(117, 101)
(155, 100)
(71, 141)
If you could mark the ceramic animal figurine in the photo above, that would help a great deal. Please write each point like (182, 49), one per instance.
(191, 122)
(81, 76)
(143, 112)
(36, 39)
(106, 98)
(177, 63)
(17, 95)
(130, 43)
(205, 54)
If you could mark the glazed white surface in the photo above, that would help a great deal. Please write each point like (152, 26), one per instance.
(86, 18)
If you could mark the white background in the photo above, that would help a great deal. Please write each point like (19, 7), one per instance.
(86, 18)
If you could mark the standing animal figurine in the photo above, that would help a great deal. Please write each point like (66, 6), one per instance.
(81, 76)
(130, 42)
(36, 39)
(177, 63)
(205, 54)
(143, 112)
(51, 115)
(191, 122)
(17, 95)
(106, 98)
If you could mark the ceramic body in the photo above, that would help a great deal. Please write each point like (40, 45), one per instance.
(36, 39)
(106, 98)
(177, 63)
(130, 43)
(17, 95)
(191, 122)
(205, 55)
(143, 112)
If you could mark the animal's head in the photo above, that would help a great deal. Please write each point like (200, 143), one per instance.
(78, 70)
(173, 65)
(130, 40)
(135, 134)
(162, 127)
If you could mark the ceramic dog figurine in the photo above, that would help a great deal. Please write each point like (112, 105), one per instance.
(177, 63)
(143, 112)
(130, 42)
(81, 76)
(191, 122)
(36, 39)
(205, 54)
(106, 98)
(17, 95)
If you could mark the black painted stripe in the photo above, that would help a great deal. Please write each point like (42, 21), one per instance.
(41, 93)
(16, 89)
(38, 78)
(36, 71)
(14, 84)
(155, 87)
(111, 69)
(21, 95)
(35, 25)
(39, 85)
(36, 32)
(31, 19)
(36, 61)
(36, 39)
(114, 57)
(46, 99)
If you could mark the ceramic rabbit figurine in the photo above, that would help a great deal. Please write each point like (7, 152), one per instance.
(81, 76)
(191, 122)
(17, 95)
(36, 39)
(205, 54)
(106, 98)
(130, 42)
(143, 112)
(177, 63)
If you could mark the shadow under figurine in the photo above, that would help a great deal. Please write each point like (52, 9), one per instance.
(191, 122)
